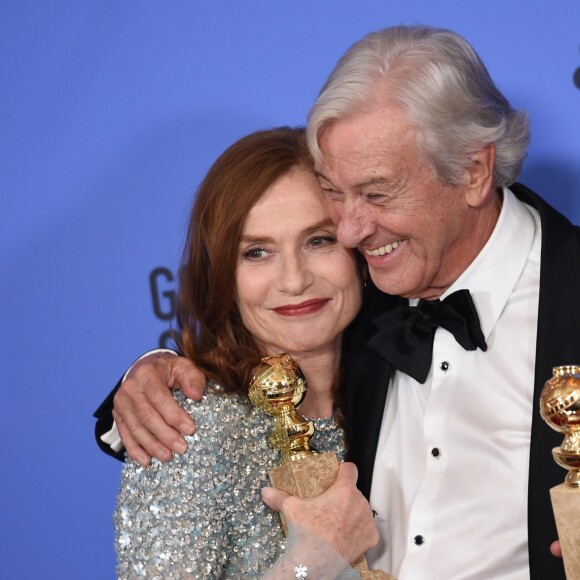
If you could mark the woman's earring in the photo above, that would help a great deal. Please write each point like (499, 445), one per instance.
(365, 275)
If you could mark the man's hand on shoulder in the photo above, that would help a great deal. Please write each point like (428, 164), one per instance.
(149, 420)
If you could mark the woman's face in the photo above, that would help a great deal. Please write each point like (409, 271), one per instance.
(296, 288)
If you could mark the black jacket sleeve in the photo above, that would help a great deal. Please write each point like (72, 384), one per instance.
(104, 416)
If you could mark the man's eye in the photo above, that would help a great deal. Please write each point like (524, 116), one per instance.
(377, 198)
(329, 192)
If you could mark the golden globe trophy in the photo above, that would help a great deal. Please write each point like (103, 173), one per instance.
(277, 388)
(560, 408)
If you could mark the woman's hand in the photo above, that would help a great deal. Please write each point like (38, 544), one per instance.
(341, 516)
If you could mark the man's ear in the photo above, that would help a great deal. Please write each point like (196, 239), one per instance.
(479, 181)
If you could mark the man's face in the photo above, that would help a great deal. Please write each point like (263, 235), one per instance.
(413, 230)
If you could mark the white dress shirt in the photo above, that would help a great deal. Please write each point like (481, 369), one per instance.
(450, 480)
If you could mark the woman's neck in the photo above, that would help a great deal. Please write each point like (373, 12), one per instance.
(320, 370)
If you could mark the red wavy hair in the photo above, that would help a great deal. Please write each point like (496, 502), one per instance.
(211, 332)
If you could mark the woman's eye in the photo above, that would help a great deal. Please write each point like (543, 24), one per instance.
(255, 254)
(318, 241)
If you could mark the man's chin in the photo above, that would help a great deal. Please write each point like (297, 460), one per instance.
(395, 285)
(387, 283)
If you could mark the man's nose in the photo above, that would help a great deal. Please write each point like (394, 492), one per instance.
(353, 223)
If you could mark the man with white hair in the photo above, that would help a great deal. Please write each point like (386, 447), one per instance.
(475, 283)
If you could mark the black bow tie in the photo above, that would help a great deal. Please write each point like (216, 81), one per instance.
(405, 335)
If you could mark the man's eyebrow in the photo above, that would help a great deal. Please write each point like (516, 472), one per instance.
(377, 180)
(320, 175)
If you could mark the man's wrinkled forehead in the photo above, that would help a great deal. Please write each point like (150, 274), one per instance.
(369, 148)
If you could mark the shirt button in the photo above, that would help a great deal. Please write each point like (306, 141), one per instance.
(436, 452)
(445, 366)
(419, 540)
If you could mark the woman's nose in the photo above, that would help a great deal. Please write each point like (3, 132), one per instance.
(296, 275)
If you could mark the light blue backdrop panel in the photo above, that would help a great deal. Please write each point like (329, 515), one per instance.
(111, 111)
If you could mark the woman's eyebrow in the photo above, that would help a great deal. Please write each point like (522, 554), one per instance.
(324, 223)
(257, 238)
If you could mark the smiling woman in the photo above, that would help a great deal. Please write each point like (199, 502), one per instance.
(297, 288)
(262, 273)
(260, 221)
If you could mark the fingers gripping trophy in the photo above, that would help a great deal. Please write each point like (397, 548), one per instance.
(278, 387)
(560, 408)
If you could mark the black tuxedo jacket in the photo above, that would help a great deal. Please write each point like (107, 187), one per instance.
(104, 417)
(367, 376)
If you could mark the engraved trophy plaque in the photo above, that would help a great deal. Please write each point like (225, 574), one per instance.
(277, 388)
(560, 408)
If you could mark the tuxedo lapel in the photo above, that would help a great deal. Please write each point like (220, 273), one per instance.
(365, 383)
(558, 343)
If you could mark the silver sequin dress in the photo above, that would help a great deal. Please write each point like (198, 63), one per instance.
(201, 514)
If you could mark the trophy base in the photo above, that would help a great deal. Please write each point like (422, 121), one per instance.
(309, 477)
(363, 569)
(566, 506)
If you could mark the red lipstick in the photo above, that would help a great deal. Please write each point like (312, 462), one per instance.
(306, 307)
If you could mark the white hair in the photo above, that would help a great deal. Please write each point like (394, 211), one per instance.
(437, 80)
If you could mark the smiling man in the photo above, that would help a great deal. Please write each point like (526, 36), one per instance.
(416, 232)
(418, 154)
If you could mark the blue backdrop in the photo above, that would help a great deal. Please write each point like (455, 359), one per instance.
(111, 111)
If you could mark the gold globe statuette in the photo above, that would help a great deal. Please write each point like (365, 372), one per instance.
(277, 388)
(560, 408)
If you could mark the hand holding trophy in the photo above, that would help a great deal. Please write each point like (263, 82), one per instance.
(560, 408)
(278, 387)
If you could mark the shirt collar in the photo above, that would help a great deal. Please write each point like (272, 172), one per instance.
(492, 276)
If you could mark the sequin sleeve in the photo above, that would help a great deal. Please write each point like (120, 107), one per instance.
(309, 556)
(201, 515)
